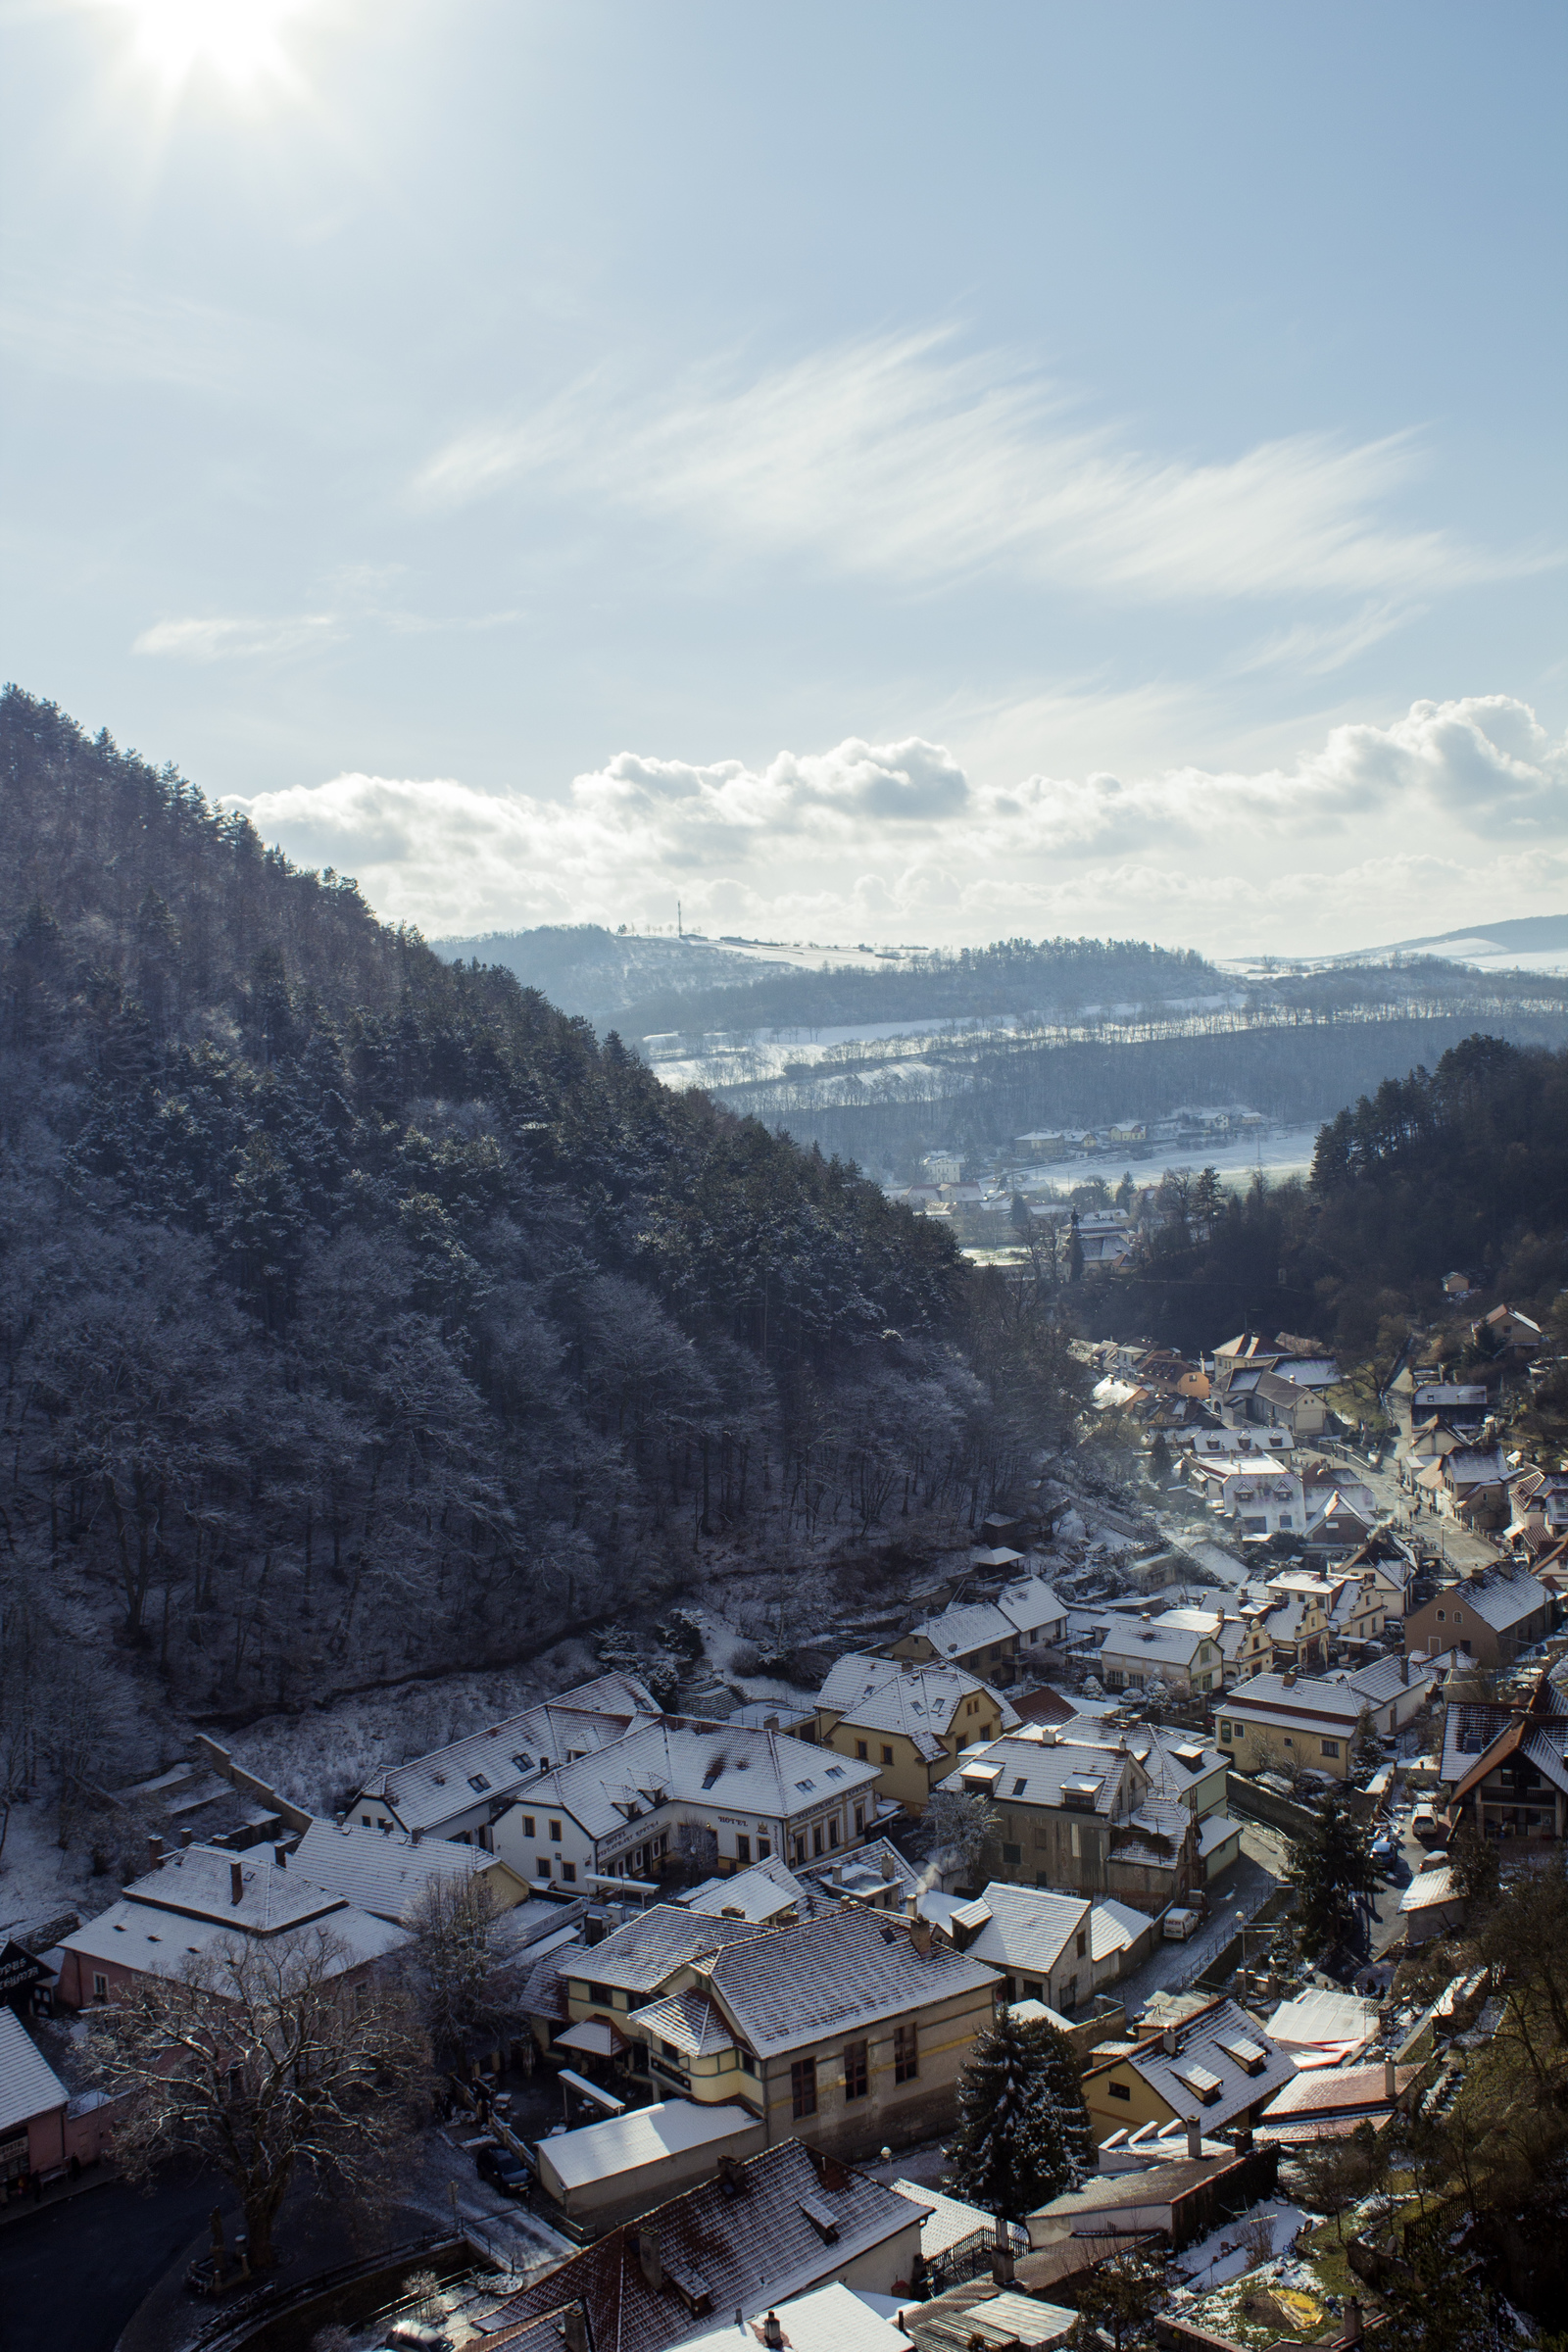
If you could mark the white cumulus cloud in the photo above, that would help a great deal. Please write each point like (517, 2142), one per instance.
(1451, 800)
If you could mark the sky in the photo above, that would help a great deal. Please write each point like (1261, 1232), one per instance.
(864, 471)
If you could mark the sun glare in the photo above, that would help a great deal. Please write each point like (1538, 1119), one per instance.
(236, 39)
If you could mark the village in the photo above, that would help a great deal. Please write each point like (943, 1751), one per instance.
(743, 1956)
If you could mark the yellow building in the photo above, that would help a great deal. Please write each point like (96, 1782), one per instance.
(1215, 2067)
(912, 1721)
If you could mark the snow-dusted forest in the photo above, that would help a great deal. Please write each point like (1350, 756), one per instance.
(362, 1316)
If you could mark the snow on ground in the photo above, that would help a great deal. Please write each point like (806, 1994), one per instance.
(1228, 2251)
(37, 1878)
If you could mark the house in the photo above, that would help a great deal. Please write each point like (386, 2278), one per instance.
(1492, 1614)
(205, 1903)
(1338, 1527)
(384, 1871)
(756, 2234)
(1217, 2065)
(1507, 1767)
(42, 2124)
(1280, 1720)
(1506, 1331)
(1332, 2102)
(1458, 1285)
(1038, 1942)
(1539, 1505)
(1392, 1691)
(1432, 1905)
(1473, 1486)
(458, 1792)
(1449, 1399)
(1187, 1771)
(911, 1722)
(1082, 1819)
(848, 2028)
(1179, 2198)
(830, 2318)
(765, 1893)
(1034, 1612)
(1263, 1499)
(975, 1635)
(1183, 1656)
(723, 1796)
(611, 2171)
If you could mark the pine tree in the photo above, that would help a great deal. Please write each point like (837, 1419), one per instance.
(1329, 1867)
(1368, 1752)
(1023, 2130)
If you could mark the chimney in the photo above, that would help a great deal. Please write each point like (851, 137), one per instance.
(838, 1873)
(887, 1862)
(280, 1856)
(186, 1836)
(1001, 2263)
(236, 1882)
(774, 2332)
(1194, 2135)
(574, 2329)
(911, 1908)
(1405, 1665)
(415, 1834)
(594, 1928)
(1391, 2080)
(1352, 2322)
(155, 1854)
(920, 1935)
(1167, 2042)
(652, 2269)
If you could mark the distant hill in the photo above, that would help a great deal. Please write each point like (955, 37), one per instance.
(1517, 935)
(586, 969)
(364, 1316)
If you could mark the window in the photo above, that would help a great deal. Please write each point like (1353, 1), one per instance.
(1225, 1732)
(554, 1833)
(817, 1838)
(527, 1825)
(1083, 1943)
(1034, 1988)
(476, 1780)
(603, 1995)
(100, 1986)
(834, 1772)
(1440, 1616)
(366, 1818)
(1330, 1747)
(764, 1846)
(568, 1871)
(1020, 1785)
(859, 1821)
(748, 2063)
(802, 2086)
(857, 2071)
(906, 2053)
(523, 1763)
(1289, 1741)
(742, 1850)
(541, 1868)
(862, 1751)
(799, 1849)
(1011, 1856)
(832, 1833)
(1458, 1616)
(887, 1753)
(1120, 2090)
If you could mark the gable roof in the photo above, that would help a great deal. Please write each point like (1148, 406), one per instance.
(493, 1764)
(760, 1773)
(1023, 1770)
(759, 1894)
(760, 2234)
(1028, 1927)
(198, 1882)
(918, 1701)
(1304, 1697)
(968, 1626)
(1223, 2064)
(1030, 1606)
(29, 2084)
(647, 1951)
(381, 1870)
(852, 1967)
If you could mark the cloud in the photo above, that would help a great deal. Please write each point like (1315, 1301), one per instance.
(232, 640)
(1451, 799)
(897, 457)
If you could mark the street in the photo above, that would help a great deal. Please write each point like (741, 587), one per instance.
(72, 2277)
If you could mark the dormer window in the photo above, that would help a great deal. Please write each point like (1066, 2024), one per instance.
(476, 1780)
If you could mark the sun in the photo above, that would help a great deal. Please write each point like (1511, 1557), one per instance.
(238, 40)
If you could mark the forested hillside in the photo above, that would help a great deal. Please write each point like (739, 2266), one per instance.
(1465, 1166)
(363, 1313)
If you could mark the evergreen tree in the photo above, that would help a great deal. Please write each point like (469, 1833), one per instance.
(1160, 1458)
(1477, 1873)
(1329, 1867)
(1024, 2128)
(1367, 1754)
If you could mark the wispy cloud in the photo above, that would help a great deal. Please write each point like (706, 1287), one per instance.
(218, 638)
(896, 840)
(1311, 649)
(903, 458)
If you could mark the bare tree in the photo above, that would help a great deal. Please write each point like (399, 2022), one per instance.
(261, 2062)
(961, 1825)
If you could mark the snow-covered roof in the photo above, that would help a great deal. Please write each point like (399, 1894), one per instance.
(494, 1763)
(1305, 1699)
(1502, 1600)
(644, 1953)
(685, 2021)
(1030, 1606)
(969, 1625)
(625, 2143)
(891, 1694)
(200, 1881)
(1223, 2065)
(760, 1893)
(1429, 1890)
(830, 2318)
(164, 1943)
(764, 1774)
(1029, 1928)
(1320, 2027)
(1114, 1928)
(1384, 1679)
(29, 2084)
(949, 2221)
(381, 1870)
(850, 1967)
(1018, 1769)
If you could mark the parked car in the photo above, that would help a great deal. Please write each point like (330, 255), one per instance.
(1385, 1849)
(1426, 1828)
(1179, 1924)
(504, 2172)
